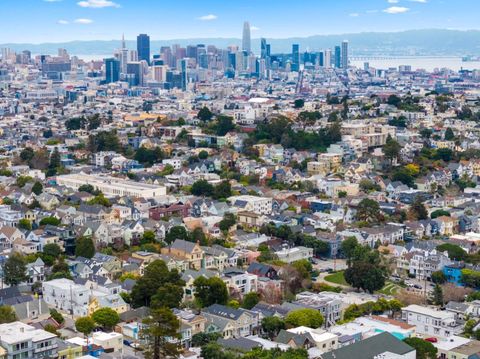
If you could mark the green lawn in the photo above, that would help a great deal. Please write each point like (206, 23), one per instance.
(390, 288)
(336, 278)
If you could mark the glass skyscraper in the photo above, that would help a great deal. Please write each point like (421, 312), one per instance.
(143, 48)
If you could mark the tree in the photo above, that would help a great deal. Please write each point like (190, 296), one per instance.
(439, 213)
(417, 209)
(224, 125)
(101, 200)
(85, 325)
(86, 188)
(449, 135)
(106, 317)
(299, 103)
(277, 353)
(27, 155)
(368, 210)
(176, 232)
(160, 328)
(216, 351)
(7, 314)
(437, 295)
(57, 316)
(202, 188)
(53, 221)
(454, 252)
(304, 318)
(14, 270)
(37, 188)
(53, 250)
(156, 277)
(366, 276)
(168, 295)
(222, 190)
(51, 329)
(210, 291)
(438, 277)
(25, 224)
(55, 163)
(148, 237)
(425, 350)
(250, 300)
(391, 150)
(84, 247)
(205, 114)
(272, 325)
(203, 155)
(227, 222)
(201, 339)
(348, 246)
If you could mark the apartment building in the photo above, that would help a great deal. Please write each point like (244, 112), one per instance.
(254, 204)
(430, 322)
(112, 186)
(25, 341)
(64, 294)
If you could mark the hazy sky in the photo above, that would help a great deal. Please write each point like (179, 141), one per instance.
(38, 21)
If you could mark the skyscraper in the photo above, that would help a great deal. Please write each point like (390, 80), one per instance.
(123, 56)
(295, 57)
(143, 47)
(263, 48)
(246, 40)
(184, 73)
(112, 70)
(328, 58)
(345, 54)
(338, 57)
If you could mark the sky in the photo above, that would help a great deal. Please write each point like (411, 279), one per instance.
(40, 21)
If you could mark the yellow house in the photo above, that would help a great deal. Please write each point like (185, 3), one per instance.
(113, 301)
(68, 350)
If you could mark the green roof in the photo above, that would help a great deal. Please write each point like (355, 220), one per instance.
(370, 348)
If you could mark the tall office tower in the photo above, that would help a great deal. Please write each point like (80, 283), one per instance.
(123, 56)
(246, 39)
(26, 57)
(295, 57)
(135, 72)
(143, 47)
(63, 54)
(321, 59)
(263, 48)
(261, 68)
(133, 56)
(345, 54)
(112, 70)
(159, 73)
(184, 72)
(328, 58)
(192, 51)
(338, 57)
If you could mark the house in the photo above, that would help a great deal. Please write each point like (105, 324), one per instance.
(64, 294)
(192, 253)
(324, 340)
(26, 341)
(8, 235)
(262, 270)
(431, 322)
(290, 255)
(383, 345)
(36, 271)
(239, 281)
(230, 322)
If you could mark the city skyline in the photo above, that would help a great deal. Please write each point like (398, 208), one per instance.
(68, 20)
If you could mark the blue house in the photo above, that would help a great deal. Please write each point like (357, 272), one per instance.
(453, 273)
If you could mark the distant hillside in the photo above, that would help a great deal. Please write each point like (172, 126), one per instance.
(412, 42)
